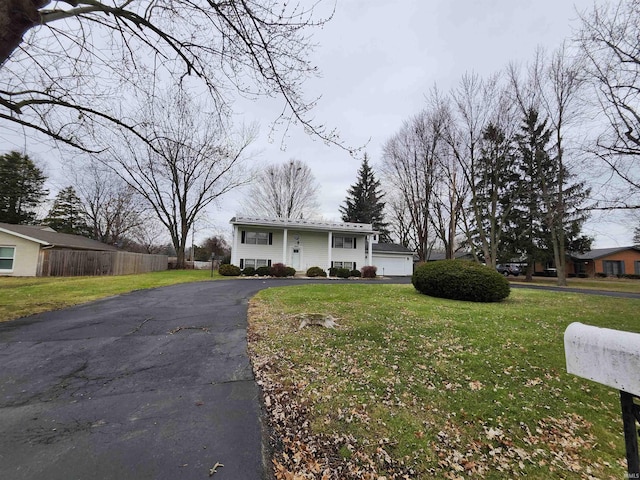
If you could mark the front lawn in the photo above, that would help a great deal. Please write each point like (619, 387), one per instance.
(410, 386)
(22, 296)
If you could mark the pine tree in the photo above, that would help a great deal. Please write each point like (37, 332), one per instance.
(67, 215)
(21, 188)
(364, 201)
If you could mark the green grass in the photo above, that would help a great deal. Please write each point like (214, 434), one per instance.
(22, 296)
(444, 388)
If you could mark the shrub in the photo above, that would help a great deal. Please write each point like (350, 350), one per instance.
(460, 280)
(369, 271)
(343, 273)
(633, 276)
(228, 270)
(263, 271)
(278, 270)
(290, 271)
(354, 273)
(316, 272)
(249, 271)
(332, 271)
(601, 275)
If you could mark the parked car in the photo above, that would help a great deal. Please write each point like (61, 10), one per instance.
(507, 270)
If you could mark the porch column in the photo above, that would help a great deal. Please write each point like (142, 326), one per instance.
(234, 246)
(370, 259)
(330, 237)
(284, 247)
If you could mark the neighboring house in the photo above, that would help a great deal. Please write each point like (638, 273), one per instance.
(299, 243)
(607, 261)
(392, 259)
(20, 247)
(438, 255)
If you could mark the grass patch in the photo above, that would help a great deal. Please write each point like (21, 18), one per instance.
(22, 296)
(432, 388)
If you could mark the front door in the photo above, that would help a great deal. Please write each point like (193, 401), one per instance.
(295, 258)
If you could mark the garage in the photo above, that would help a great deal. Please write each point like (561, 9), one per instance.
(392, 260)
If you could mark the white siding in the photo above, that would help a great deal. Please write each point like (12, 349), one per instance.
(25, 261)
(356, 255)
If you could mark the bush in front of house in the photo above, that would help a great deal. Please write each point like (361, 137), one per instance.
(263, 271)
(332, 271)
(355, 273)
(316, 272)
(228, 270)
(460, 280)
(370, 271)
(278, 270)
(249, 271)
(343, 273)
(290, 271)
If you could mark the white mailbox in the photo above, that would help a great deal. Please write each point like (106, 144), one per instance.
(610, 357)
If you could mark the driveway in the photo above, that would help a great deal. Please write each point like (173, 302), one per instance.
(155, 384)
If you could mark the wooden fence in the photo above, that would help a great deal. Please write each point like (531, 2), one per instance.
(70, 263)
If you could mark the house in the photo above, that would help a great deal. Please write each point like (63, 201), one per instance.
(607, 261)
(21, 247)
(300, 244)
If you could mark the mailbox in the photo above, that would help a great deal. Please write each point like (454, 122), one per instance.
(610, 357)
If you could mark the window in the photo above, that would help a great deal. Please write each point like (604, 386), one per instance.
(613, 267)
(7, 255)
(344, 242)
(257, 238)
(254, 262)
(349, 265)
(637, 267)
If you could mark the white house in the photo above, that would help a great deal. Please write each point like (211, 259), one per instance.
(311, 243)
(300, 244)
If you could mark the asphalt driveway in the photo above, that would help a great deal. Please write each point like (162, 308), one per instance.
(155, 384)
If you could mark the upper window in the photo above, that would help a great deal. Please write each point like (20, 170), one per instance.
(7, 255)
(257, 238)
(344, 242)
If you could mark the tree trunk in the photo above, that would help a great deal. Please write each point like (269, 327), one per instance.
(16, 18)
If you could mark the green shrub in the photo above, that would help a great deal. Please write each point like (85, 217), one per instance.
(316, 272)
(343, 272)
(369, 271)
(460, 280)
(278, 270)
(332, 271)
(228, 270)
(249, 271)
(263, 271)
(355, 273)
(290, 271)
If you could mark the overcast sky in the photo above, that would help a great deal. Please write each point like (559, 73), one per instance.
(378, 59)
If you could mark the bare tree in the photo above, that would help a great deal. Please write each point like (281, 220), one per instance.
(115, 210)
(288, 190)
(609, 42)
(191, 162)
(62, 63)
(410, 170)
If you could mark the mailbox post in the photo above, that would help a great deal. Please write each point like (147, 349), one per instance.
(610, 357)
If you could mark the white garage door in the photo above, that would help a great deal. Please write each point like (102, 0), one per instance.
(393, 265)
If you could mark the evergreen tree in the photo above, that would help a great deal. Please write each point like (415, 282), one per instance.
(636, 236)
(67, 215)
(21, 188)
(364, 202)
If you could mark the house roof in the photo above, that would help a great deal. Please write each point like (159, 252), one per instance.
(300, 224)
(50, 238)
(601, 252)
(394, 248)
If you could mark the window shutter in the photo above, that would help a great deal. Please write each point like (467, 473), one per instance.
(269, 261)
(354, 242)
(242, 236)
(241, 263)
(270, 238)
(354, 266)
(331, 263)
(333, 241)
